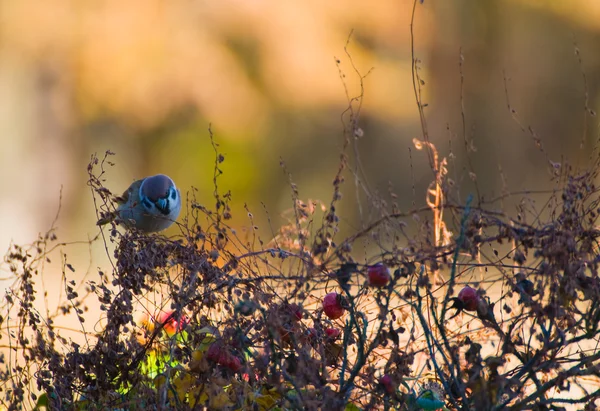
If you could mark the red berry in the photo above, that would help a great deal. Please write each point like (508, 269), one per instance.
(234, 363)
(221, 355)
(332, 306)
(213, 352)
(387, 383)
(332, 333)
(296, 311)
(223, 358)
(379, 275)
(469, 298)
(170, 323)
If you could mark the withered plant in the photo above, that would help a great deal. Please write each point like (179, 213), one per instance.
(454, 304)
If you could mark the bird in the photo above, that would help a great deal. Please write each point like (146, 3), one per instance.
(149, 205)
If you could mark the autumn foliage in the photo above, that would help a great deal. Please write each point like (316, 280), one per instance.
(300, 323)
(454, 304)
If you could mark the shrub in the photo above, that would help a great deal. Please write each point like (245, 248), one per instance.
(478, 310)
(247, 329)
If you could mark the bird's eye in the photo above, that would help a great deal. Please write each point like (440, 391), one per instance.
(147, 203)
(174, 195)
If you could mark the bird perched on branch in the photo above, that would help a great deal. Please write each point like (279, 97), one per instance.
(151, 204)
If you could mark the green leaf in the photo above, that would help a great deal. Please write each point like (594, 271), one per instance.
(41, 402)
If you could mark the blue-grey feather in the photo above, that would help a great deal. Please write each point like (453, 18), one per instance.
(156, 187)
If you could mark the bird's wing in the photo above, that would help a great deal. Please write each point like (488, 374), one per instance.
(124, 198)
(120, 200)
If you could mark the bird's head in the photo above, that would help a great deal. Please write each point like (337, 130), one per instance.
(159, 192)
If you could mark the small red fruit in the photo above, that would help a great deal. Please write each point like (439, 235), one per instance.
(221, 355)
(233, 363)
(386, 382)
(469, 298)
(297, 311)
(332, 333)
(332, 305)
(379, 275)
(223, 358)
(213, 352)
(170, 323)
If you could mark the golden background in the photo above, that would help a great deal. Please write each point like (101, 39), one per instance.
(145, 79)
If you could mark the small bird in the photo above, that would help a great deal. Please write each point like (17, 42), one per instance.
(151, 204)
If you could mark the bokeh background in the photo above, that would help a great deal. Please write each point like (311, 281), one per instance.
(145, 78)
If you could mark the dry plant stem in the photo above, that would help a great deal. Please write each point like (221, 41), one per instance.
(466, 143)
(587, 111)
(355, 132)
(431, 342)
(253, 328)
(199, 281)
(416, 86)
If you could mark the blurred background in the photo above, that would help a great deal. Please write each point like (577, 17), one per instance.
(146, 78)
